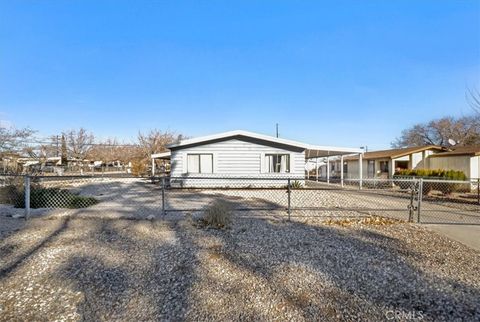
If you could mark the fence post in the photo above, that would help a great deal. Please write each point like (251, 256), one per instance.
(288, 193)
(163, 196)
(27, 196)
(420, 198)
(412, 199)
(478, 191)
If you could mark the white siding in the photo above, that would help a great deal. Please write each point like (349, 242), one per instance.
(474, 167)
(404, 158)
(237, 158)
(417, 161)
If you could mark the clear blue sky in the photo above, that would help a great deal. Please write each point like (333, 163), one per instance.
(339, 73)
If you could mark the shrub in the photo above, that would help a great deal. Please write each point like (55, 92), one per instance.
(139, 167)
(9, 194)
(218, 214)
(54, 198)
(444, 187)
(426, 173)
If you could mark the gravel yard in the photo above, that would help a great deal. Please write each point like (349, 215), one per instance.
(263, 268)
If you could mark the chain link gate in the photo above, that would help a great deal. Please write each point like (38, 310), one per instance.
(415, 201)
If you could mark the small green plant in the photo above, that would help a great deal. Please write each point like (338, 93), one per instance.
(296, 184)
(218, 214)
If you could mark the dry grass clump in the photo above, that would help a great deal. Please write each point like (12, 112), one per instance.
(372, 221)
(218, 214)
(215, 252)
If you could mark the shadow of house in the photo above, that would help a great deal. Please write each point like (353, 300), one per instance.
(193, 200)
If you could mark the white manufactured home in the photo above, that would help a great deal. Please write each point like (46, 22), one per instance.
(241, 158)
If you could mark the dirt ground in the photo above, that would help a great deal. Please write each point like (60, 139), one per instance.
(262, 268)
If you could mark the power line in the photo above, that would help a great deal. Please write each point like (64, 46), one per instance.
(52, 143)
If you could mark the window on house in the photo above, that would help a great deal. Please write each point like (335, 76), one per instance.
(345, 167)
(332, 167)
(277, 163)
(400, 165)
(200, 163)
(383, 166)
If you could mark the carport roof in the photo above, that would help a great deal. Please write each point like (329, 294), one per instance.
(311, 151)
(163, 155)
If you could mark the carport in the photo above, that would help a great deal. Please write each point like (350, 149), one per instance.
(164, 157)
(316, 152)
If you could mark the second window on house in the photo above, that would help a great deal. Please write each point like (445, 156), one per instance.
(277, 163)
(384, 166)
(200, 163)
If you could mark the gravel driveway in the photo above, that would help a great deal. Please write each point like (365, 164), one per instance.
(97, 268)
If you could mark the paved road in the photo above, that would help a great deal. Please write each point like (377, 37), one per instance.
(466, 234)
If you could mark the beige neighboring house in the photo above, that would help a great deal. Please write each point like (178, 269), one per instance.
(384, 163)
(465, 158)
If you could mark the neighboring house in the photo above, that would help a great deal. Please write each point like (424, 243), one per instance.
(9, 162)
(384, 163)
(466, 159)
(334, 165)
(242, 154)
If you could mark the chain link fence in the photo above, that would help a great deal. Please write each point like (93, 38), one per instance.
(105, 196)
(419, 200)
(449, 201)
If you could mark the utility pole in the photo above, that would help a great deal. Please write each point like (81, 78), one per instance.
(57, 146)
(276, 126)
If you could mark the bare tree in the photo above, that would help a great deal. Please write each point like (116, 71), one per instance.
(111, 150)
(463, 130)
(472, 95)
(14, 140)
(155, 141)
(78, 143)
(52, 149)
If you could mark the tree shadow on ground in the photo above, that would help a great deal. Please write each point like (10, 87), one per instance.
(140, 278)
(259, 269)
(19, 259)
(144, 270)
(377, 269)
